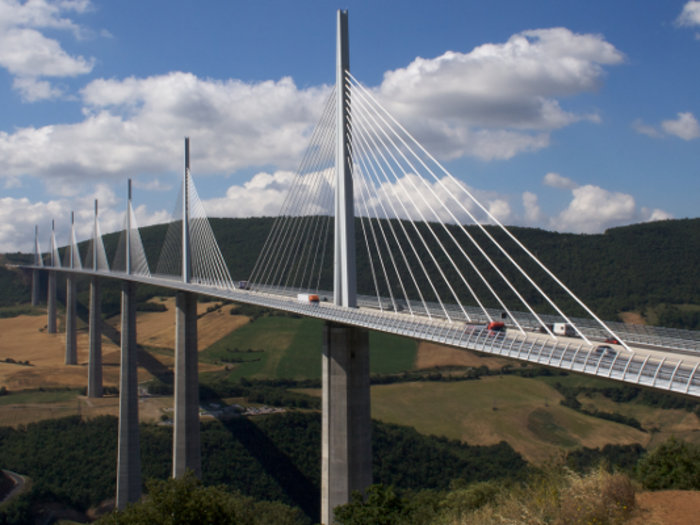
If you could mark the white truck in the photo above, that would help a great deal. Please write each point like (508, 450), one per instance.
(564, 329)
(311, 298)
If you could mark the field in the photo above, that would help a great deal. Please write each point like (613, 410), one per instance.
(157, 329)
(25, 408)
(292, 348)
(431, 355)
(523, 412)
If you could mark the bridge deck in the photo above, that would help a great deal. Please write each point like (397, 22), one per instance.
(654, 367)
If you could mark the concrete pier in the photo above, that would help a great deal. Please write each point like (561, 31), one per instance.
(35, 287)
(129, 462)
(51, 305)
(95, 358)
(347, 428)
(186, 444)
(71, 320)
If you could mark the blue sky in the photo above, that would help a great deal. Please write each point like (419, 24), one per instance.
(572, 116)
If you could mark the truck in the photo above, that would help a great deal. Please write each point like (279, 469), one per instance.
(494, 328)
(311, 298)
(564, 329)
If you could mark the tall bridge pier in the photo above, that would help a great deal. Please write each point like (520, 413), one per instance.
(129, 455)
(347, 428)
(186, 440)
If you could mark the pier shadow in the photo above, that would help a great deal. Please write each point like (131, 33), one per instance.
(278, 465)
(154, 367)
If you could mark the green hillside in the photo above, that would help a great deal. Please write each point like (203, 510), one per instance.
(624, 269)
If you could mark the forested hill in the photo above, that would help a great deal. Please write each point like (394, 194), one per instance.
(626, 268)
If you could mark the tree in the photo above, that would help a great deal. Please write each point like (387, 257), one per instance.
(381, 507)
(184, 501)
(675, 465)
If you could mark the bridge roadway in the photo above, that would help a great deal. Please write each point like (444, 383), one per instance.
(647, 365)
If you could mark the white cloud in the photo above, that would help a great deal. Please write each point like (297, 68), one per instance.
(533, 213)
(645, 129)
(154, 185)
(690, 16)
(136, 126)
(262, 195)
(498, 101)
(19, 216)
(557, 181)
(27, 54)
(594, 209)
(685, 127)
(32, 89)
(512, 86)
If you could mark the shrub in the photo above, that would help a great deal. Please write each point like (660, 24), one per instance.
(675, 465)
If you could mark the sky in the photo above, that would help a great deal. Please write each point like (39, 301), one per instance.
(572, 116)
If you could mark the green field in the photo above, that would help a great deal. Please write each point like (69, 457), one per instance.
(37, 397)
(292, 349)
(523, 412)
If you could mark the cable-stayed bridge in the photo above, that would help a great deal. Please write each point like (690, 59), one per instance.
(365, 191)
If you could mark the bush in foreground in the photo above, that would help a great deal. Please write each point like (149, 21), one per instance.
(556, 495)
(186, 501)
(675, 465)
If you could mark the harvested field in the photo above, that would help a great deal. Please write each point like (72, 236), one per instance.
(150, 409)
(523, 412)
(669, 507)
(431, 355)
(24, 338)
(158, 328)
(632, 318)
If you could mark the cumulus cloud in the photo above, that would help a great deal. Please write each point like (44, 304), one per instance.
(690, 16)
(19, 216)
(533, 213)
(498, 101)
(645, 129)
(28, 55)
(592, 209)
(512, 86)
(137, 125)
(557, 181)
(685, 126)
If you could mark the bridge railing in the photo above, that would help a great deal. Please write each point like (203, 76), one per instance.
(661, 373)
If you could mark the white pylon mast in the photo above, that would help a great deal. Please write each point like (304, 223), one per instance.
(127, 252)
(344, 271)
(186, 270)
(94, 240)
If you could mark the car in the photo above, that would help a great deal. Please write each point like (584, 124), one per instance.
(605, 351)
(612, 341)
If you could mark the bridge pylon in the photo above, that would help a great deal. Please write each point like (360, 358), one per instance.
(186, 439)
(51, 296)
(72, 300)
(346, 427)
(35, 273)
(95, 320)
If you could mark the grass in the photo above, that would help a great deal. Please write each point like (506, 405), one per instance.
(36, 397)
(292, 349)
(14, 311)
(524, 412)
(391, 354)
